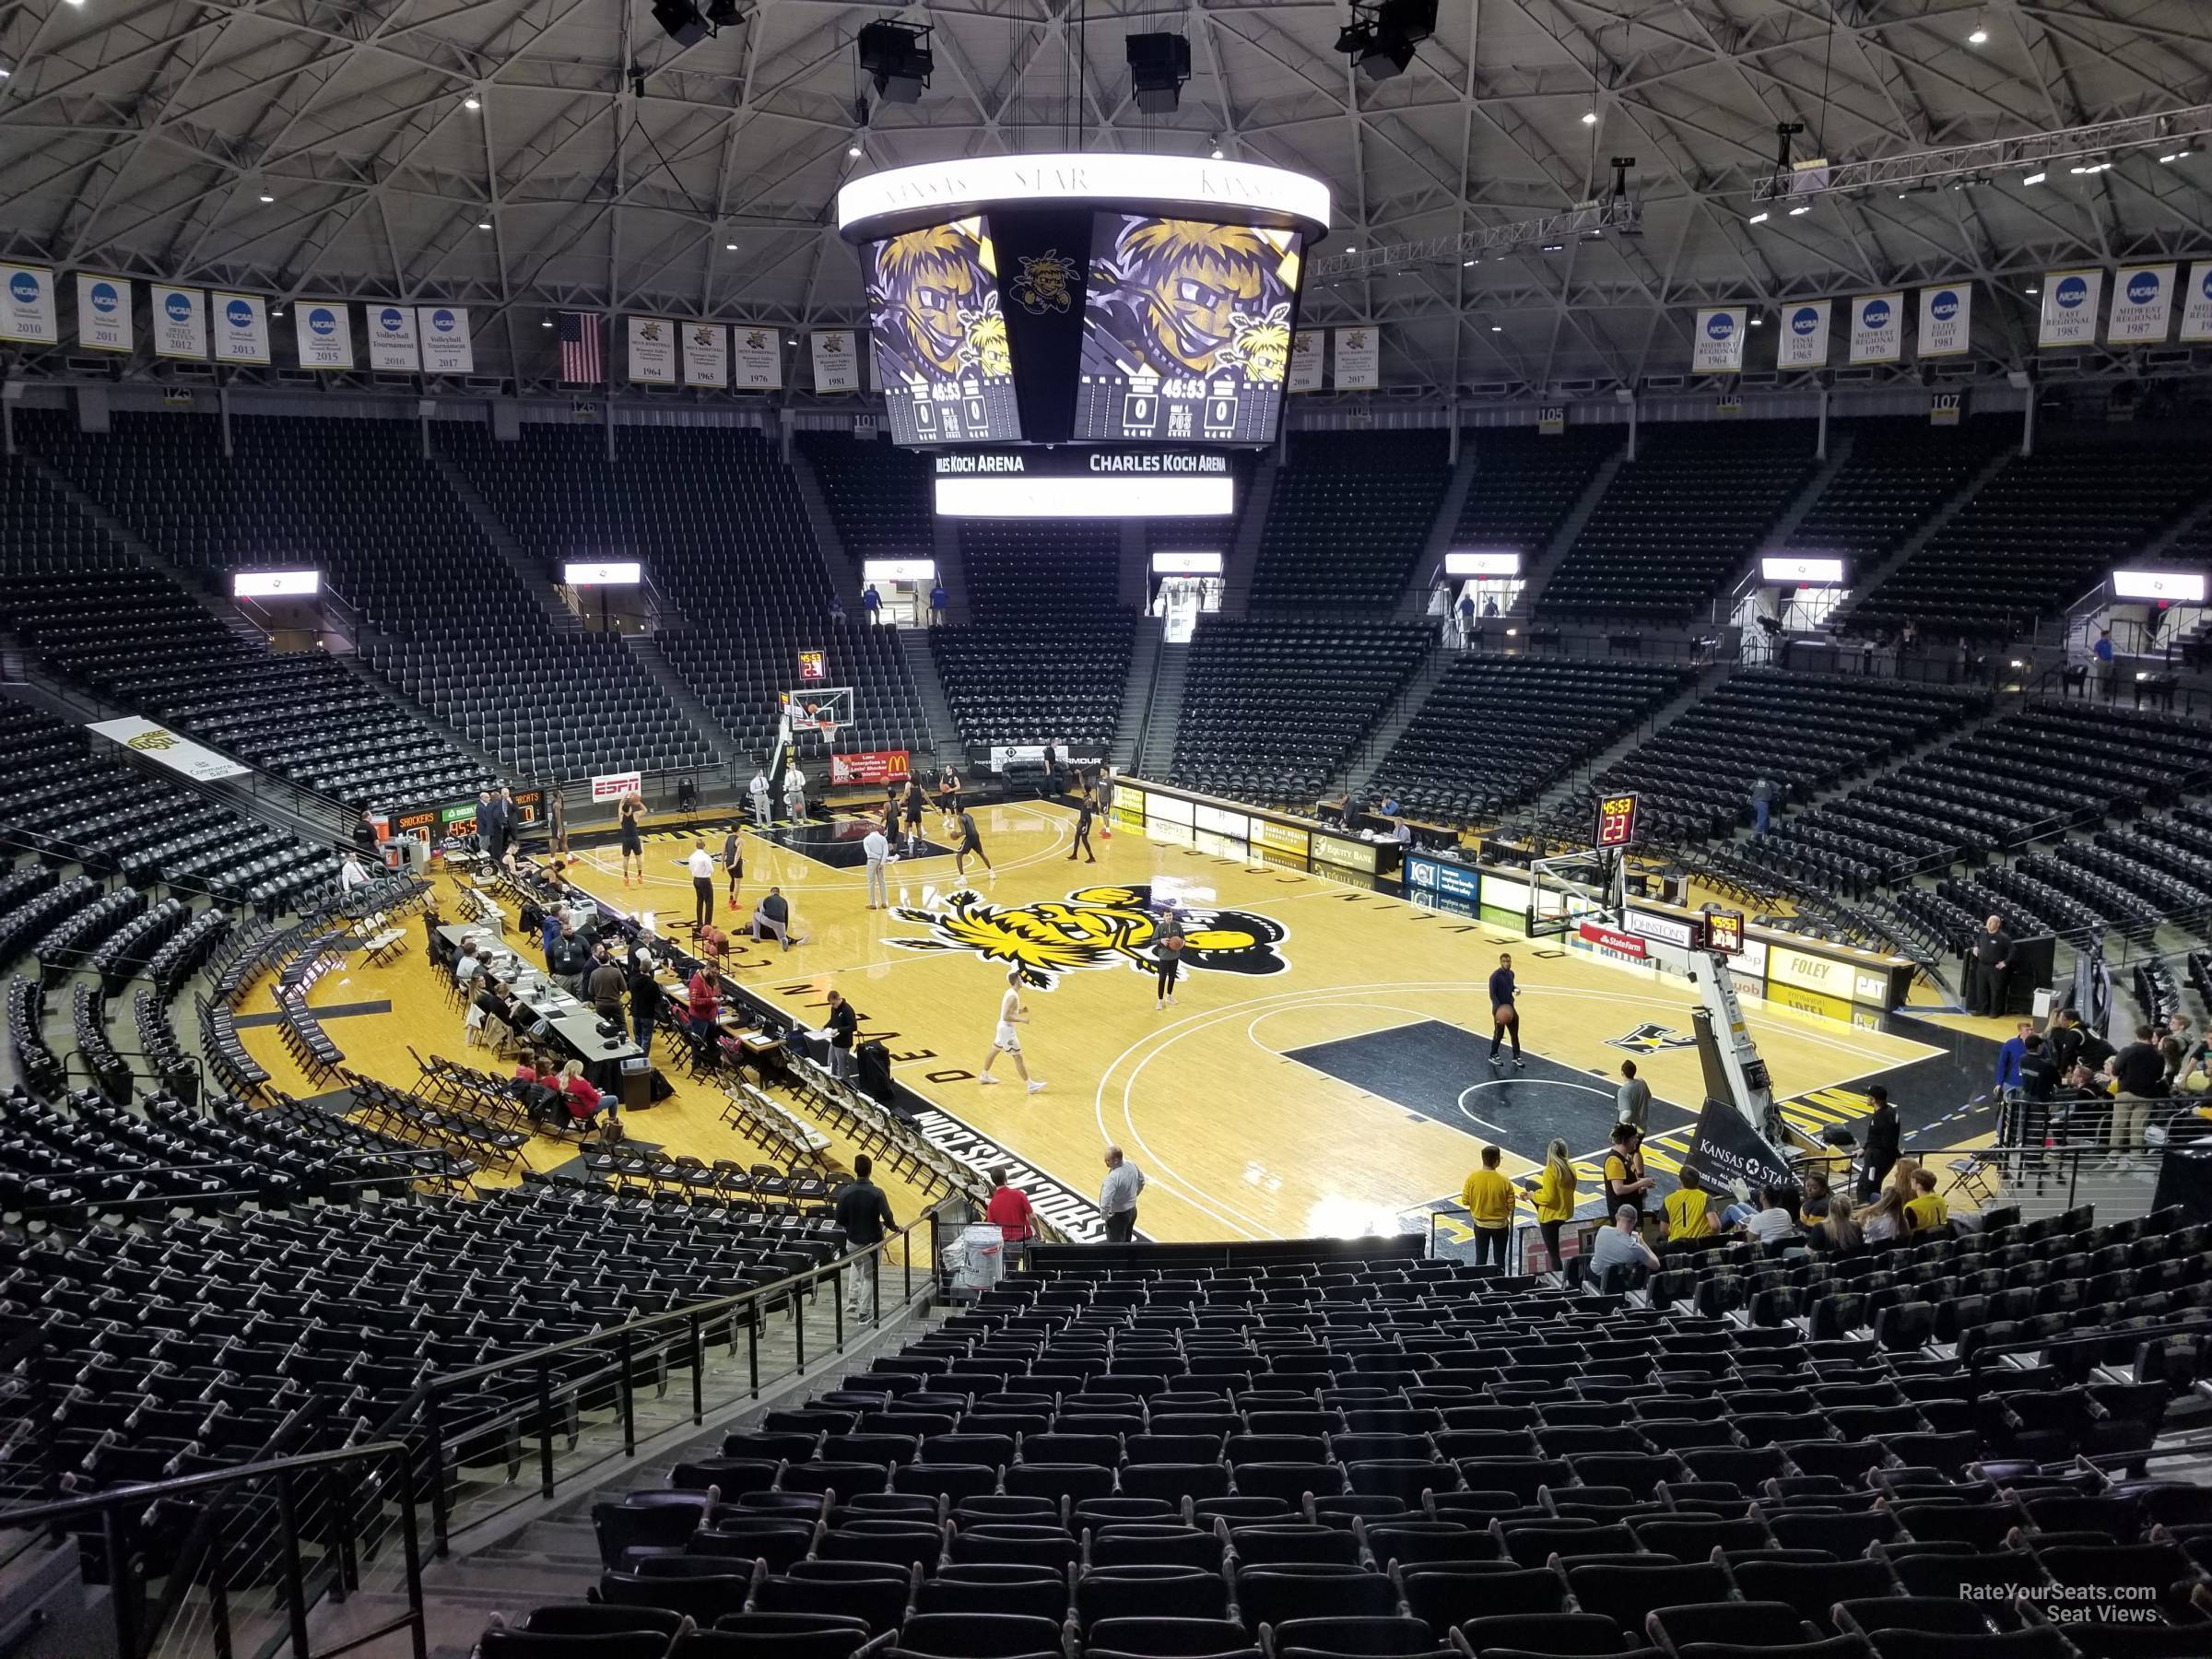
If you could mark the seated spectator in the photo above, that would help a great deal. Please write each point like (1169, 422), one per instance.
(1838, 1229)
(1886, 1220)
(584, 1100)
(1010, 1210)
(1773, 1220)
(1619, 1246)
(1926, 1208)
(772, 915)
(467, 964)
(1688, 1209)
(1813, 1204)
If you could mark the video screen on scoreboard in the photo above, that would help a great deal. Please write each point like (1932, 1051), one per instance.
(1186, 330)
(942, 356)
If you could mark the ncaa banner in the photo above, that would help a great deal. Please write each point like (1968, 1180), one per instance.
(180, 322)
(392, 337)
(2196, 304)
(836, 363)
(2142, 305)
(1946, 315)
(324, 332)
(103, 312)
(1359, 354)
(757, 356)
(1803, 335)
(241, 327)
(26, 308)
(653, 351)
(1305, 362)
(1719, 345)
(1877, 328)
(445, 345)
(706, 353)
(2070, 302)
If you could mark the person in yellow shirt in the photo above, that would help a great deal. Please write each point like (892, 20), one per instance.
(1689, 1213)
(1553, 1195)
(1489, 1200)
(1927, 1208)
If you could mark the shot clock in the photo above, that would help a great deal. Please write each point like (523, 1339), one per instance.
(1616, 821)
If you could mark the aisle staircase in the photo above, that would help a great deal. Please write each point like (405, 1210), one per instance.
(646, 649)
(1413, 603)
(536, 581)
(936, 708)
(844, 574)
(1538, 575)
(1154, 746)
(1369, 753)
(952, 569)
(1244, 552)
(1864, 583)
(1136, 692)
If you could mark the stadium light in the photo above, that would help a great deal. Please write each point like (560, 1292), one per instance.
(472, 103)
(1980, 35)
(898, 59)
(1383, 34)
(1757, 219)
(681, 21)
(2035, 178)
(1589, 117)
(1158, 65)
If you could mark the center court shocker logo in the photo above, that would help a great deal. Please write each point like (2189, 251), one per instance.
(1650, 1038)
(1094, 927)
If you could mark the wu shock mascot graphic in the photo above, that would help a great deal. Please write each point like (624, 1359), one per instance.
(1095, 927)
(1190, 323)
(939, 336)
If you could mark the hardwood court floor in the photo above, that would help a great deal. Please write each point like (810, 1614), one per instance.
(1323, 1067)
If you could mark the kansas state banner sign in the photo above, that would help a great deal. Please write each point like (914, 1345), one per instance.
(2070, 302)
(324, 332)
(1719, 345)
(1877, 328)
(392, 337)
(1946, 315)
(1803, 335)
(2142, 305)
(103, 312)
(27, 311)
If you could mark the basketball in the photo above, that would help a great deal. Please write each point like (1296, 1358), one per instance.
(1504, 1015)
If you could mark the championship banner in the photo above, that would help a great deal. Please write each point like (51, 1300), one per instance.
(180, 322)
(2070, 302)
(2196, 307)
(653, 351)
(1723, 1149)
(165, 748)
(1359, 353)
(757, 359)
(103, 312)
(26, 308)
(706, 353)
(613, 786)
(869, 766)
(445, 344)
(836, 362)
(1803, 335)
(1719, 345)
(324, 332)
(1305, 362)
(1877, 328)
(2142, 305)
(393, 339)
(1946, 315)
(241, 327)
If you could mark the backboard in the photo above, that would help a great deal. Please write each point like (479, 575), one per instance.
(1570, 888)
(820, 709)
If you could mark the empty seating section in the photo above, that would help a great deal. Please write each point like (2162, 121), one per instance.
(1499, 731)
(878, 495)
(1351, 513)
(1273, 705)
(60, 802)
(1409, 1459)
(2022, 777)
(1899, 473)
(717, 519)
(1525, 483)
(1680, 520)
(97, 616)
(1047, 653)
(1803, 732)
(2037, 536)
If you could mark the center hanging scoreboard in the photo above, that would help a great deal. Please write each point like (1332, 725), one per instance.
(1616, 821)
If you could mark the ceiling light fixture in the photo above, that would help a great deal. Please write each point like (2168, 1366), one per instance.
(1758, 321)
(1496, 328)
(853, 150)
(266, 196)
(472, 102)
(1980, 37)
(1800, 211)
(729, 247)
(483, 224)
(1589, 117)
(2035, 178)
(2031, 290)
(1759, 219)
(1216, 152)
(547, 323)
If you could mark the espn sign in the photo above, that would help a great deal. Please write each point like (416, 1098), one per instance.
(869, 766)
(613, 786)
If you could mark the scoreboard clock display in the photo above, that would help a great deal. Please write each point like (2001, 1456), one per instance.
(1724, 932)
(814, 666)
(1616, 821)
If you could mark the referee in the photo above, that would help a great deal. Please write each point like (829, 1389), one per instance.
(701, 865)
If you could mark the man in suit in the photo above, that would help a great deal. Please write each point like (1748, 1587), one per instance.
(1989, 968)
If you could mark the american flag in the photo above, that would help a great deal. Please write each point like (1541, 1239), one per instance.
(580, 348)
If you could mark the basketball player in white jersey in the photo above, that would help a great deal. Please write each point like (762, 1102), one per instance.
(1007, 1041)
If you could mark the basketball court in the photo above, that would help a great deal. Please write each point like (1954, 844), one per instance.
(1325, 1068)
